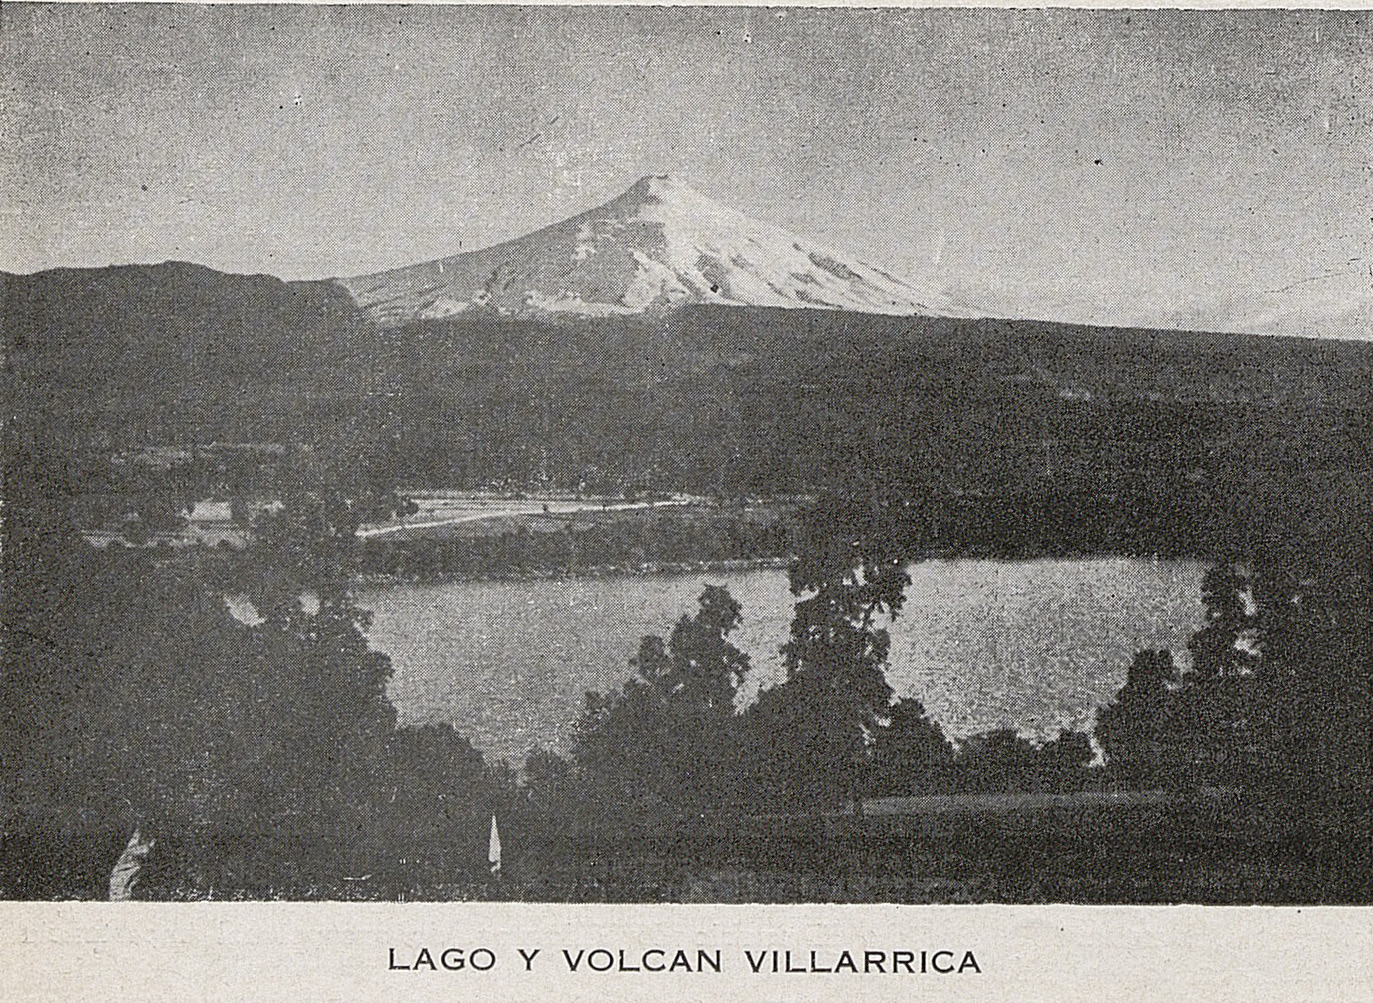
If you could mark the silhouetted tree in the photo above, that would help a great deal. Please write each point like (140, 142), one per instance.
(1223, 647)
(1315, 688)
(436, 795)
(995, 761)
(809, 736)
(910, 754)
(550, 783)
(698, 668)
(239, 747)
(670, 734)
(1062, 763)
(1134, 729)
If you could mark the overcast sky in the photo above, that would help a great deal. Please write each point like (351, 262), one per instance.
(1206, 169)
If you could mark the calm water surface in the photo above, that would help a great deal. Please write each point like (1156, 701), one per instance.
(1036, 645)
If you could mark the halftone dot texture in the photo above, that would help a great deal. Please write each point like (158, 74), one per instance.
(1032, 645)
(1204, 169)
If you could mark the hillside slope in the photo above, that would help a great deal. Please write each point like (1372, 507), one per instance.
(704, 397)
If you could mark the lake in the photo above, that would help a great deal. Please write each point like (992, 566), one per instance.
(1034, 645)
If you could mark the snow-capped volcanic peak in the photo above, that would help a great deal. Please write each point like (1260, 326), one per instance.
(658, 246)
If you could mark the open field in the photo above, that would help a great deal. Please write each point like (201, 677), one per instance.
(442, 511)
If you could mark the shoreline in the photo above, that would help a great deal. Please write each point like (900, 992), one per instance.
(375, 580)
(645, 570)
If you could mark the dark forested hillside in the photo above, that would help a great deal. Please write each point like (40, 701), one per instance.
(172, 353)
(727, 400)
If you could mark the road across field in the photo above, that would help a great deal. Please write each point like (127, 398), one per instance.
(511, 509)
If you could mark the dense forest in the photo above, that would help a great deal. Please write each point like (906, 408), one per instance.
(722, 401)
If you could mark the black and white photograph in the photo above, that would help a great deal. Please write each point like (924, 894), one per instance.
(686, 455)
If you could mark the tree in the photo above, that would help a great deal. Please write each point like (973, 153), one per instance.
(1133, 729)
(1293, 713)
(319, 732)
(810, 735)
(1062, 762)
(134, 698)
(698, 668)
(430, 824)
(550, 783)
(1213, 713)
(1315, 688)
(1223, 647)
(670, 734)
(911, 754)
(999, 760)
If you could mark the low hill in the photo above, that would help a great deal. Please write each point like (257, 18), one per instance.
(171, 353)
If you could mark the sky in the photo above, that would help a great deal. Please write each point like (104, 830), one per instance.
(1199, 169)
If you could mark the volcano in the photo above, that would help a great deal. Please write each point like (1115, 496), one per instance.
(659, 246)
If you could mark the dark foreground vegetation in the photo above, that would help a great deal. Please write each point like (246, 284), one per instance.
(264, 759)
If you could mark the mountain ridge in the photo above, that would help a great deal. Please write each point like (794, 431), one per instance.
(656, 247)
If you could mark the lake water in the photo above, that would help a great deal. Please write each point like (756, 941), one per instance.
(1036, 645)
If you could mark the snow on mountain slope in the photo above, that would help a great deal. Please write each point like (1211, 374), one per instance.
(658, 246)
